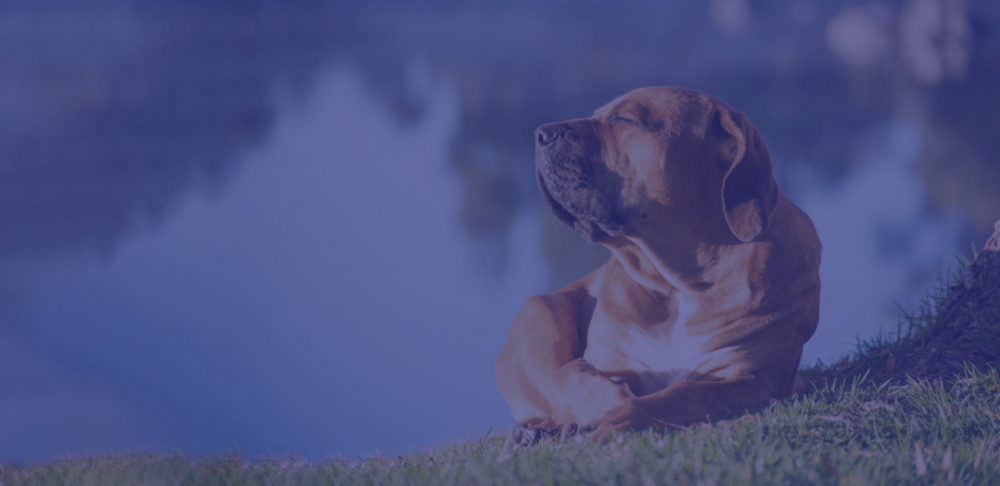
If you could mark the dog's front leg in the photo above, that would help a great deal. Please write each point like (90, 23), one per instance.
(541, 371)
(587, 395)
(684, 403)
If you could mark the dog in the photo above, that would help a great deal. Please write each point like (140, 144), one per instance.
(712, 286)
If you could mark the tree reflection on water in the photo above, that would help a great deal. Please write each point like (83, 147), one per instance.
(125, 122)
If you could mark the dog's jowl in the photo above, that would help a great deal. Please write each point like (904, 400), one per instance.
(713, 283)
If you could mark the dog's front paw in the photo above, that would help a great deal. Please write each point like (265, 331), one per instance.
(630, 415)
(524, 435)
(534, 430)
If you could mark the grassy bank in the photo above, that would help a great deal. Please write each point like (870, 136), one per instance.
(845, 433)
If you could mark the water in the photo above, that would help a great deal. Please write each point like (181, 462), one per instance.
(306, 228)
(326, 301)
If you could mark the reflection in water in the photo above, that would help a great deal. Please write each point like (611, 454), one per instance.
(876, 239)
(324, 303)
(109, 113)
(295, 312)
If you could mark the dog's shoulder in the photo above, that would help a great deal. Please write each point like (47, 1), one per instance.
(791, 240)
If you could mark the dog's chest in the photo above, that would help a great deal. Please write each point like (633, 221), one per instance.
(660, 353)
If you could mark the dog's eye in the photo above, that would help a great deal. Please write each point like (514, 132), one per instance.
(617, 118)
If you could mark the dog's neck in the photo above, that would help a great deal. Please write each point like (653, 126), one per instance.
(641, 268)
(698, 269)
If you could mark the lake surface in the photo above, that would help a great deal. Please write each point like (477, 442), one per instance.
(305, 229)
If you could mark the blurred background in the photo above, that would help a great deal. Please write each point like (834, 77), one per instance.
(303, 227)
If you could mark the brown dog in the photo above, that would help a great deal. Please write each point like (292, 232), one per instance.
(713, 283)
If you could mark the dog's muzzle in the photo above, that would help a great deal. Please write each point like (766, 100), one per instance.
(568, 168)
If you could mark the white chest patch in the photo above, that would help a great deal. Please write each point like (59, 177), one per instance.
(660, 354)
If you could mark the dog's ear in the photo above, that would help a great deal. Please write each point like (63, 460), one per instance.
(749, 193)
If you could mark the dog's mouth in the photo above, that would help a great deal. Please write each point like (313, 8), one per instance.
(560, 212)
(592, 229)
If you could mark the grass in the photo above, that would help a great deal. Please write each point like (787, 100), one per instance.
(893, 355)
(888, 351)
(861, 422)
(845, 433)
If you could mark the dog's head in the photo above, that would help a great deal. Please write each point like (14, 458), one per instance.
(656, 161)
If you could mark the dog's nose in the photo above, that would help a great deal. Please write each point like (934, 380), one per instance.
(546, 134)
